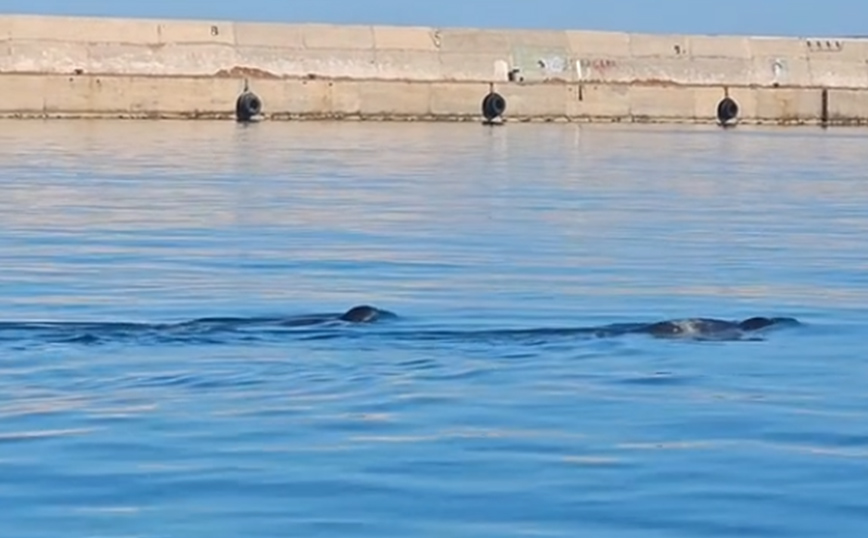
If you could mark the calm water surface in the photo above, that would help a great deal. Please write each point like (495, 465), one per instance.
(457, 419)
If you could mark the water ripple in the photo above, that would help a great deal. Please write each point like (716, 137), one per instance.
(163, 398)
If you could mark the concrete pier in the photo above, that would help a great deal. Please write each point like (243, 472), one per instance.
(101, 67)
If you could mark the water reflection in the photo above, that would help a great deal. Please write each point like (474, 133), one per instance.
(83, 200)
(464, 231)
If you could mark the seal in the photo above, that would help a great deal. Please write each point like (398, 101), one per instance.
(758, 323)
(365, 314)
(713, 328)
(357, 314)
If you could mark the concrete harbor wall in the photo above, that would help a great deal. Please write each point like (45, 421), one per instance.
(101, 67)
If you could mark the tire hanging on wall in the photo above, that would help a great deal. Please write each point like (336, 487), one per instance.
(248, 106)
(493, 106)
(727, 110)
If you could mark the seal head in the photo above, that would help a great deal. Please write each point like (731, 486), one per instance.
(758, 323)
(365, 314)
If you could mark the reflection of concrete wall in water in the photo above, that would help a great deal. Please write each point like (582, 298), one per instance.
(52, 66)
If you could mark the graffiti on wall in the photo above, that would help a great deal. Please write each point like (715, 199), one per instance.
(594, 69)
(534, 63)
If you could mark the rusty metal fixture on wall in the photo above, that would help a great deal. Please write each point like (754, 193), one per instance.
(824, 107)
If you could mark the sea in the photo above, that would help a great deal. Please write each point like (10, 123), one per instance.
(153, 383)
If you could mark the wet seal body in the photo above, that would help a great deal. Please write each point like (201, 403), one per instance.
(365, 314)
(688, 328)
(714, 328)
(209, 329)
(359, 314)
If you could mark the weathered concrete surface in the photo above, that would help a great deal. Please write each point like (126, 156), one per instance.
(121, 96)
(62, 66)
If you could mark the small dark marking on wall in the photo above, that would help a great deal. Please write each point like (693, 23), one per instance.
(818, 45)
(215, 30)
(824, 107)
(599, 65)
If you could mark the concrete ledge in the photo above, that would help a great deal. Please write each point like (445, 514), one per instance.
(64, 96)
(67, 66)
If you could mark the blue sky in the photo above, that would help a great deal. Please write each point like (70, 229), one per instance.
(766, 17)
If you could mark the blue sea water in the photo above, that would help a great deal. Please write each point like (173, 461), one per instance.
(460, 418)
